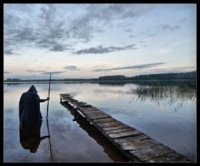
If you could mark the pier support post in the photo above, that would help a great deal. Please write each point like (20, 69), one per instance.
(75, 115)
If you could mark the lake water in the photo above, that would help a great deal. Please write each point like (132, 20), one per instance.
(163, 111)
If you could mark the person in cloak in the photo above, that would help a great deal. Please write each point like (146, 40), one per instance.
(30, 118)
(29, 107)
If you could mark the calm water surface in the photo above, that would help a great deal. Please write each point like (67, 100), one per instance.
(165, 112)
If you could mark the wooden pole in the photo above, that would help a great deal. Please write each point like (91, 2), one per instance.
(48, 96)
(49, 140)
(47, 119)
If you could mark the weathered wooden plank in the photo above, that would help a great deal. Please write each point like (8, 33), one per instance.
(172, 157)
(163, 159)
(114, 128)
(64, 94)
(72, 101)
(109, 124)
(131, 138)
(89, 108)
(89, 111)
(66, 98)
(123, 134)
(94, 113)
(146, 142)
(98, 116)
(105, 120)
(182, 160)
(151, 151)
(119, 130)
(81, 103)
(138, 144)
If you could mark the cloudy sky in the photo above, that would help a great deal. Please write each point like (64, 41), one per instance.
(92, 40)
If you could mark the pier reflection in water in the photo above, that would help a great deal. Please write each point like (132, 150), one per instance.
(108, 147)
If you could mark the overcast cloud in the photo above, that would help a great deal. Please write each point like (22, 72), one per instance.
(102, 50)
(46, 38)
(71, 68)
(45, 26)
(53, 72)
(131, 67)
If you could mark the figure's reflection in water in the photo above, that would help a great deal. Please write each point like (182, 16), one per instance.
(30, 136)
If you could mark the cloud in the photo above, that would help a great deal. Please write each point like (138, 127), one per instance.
(118, 11)
(168, 27)
(8, 51)
(35, 71)
(131, 36)
(26, 34)
(55, 26)
(127, 30)
(33, 25)
(130, 67)
(53, 72)
(177, 68)
(162, 28)
(102, 50)
(71, 68)
(170, 70)
(58, 48)
(6, 72)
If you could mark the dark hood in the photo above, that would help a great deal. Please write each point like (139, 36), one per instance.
(32, 89)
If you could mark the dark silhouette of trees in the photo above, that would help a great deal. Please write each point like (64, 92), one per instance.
(121, 78)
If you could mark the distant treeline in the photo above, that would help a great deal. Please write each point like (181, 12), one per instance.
(146, 77)
(167, 76)
(121, 78)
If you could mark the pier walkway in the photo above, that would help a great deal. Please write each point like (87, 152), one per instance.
(134, 144)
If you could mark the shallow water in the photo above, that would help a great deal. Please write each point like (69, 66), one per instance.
(165, 112)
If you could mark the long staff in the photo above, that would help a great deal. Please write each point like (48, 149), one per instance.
(48, 96)
(49, 140)
(48, 121)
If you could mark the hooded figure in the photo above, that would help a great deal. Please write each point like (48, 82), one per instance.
(29, 107)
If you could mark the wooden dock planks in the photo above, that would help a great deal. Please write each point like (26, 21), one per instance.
(133, 143)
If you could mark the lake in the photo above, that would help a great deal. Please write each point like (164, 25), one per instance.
(165, 111)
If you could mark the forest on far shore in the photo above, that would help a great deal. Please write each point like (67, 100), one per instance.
(146, 77)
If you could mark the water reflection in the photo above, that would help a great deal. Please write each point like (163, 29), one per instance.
(108, 147)
(30, 136)
(175, 129)
(11, 84)
(112, 83)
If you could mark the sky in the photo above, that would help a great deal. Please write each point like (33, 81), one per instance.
(93, 40)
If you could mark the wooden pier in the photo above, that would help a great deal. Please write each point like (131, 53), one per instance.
(134, 144)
